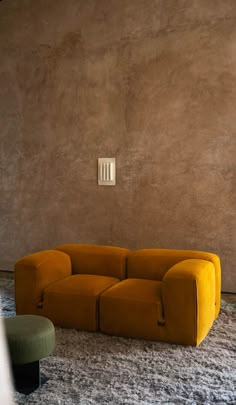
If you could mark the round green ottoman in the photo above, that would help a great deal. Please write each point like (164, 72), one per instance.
(30, 338)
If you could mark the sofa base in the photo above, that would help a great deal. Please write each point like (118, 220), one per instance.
(73, 301)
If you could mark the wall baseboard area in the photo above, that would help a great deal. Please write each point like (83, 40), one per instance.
(7, 270)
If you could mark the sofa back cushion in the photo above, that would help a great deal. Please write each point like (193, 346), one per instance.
(98, 260)
(152, 264)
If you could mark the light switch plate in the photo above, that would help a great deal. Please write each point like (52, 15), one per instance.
(106, 171)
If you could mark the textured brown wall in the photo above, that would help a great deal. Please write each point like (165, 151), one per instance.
(150, 82)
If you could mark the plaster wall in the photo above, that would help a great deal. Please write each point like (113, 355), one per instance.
(152, 83)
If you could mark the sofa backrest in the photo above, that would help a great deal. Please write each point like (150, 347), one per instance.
(153, 264)
(98, 260)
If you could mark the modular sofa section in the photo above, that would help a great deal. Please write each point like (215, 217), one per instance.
(153, 264)
(161, 300)
(64, 284)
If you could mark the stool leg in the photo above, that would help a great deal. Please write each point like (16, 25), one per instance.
(26, 377)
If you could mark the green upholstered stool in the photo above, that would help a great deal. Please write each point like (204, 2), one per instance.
(30, 338)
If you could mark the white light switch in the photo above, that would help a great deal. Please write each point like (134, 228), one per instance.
(106, 171)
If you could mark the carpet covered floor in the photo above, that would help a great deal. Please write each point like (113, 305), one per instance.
(89, 368)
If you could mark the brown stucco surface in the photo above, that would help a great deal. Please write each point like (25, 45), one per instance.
(151, 83)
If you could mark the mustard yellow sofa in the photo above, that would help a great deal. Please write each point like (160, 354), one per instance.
(157, 294)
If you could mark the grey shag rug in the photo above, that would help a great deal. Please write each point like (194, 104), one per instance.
(89, 368)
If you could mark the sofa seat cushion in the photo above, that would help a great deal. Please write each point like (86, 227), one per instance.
(132, 308)
(73, 301)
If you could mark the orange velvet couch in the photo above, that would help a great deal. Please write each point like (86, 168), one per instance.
(157, 294)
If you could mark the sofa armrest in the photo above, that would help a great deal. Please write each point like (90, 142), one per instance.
(35, 272)
(188, 293)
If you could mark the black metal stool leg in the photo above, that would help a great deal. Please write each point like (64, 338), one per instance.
(26, 377)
